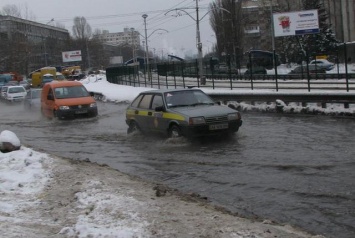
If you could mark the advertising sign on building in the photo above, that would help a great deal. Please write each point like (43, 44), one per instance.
(71, 56)
(296, 23)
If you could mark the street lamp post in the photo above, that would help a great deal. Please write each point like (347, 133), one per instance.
(198, 37)
(199, 47)
(146, 44)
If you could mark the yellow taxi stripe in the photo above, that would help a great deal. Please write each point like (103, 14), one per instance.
(173, 116)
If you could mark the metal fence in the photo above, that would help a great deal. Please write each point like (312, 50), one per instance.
(182, 75)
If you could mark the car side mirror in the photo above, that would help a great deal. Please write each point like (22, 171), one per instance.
(160, 109)
(50, 97)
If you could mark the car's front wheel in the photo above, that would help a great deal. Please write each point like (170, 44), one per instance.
(174, 131)
(133, 127)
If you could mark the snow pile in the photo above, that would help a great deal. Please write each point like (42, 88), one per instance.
(22, 177)
(280, 106)
(9, 136)
(111, 92)
(107, 215)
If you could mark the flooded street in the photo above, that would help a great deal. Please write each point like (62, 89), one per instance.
(293, 169)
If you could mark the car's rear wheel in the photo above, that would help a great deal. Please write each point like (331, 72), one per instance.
(133, 127)
(174, 131)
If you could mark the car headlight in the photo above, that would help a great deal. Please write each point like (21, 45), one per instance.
(93, 104)
(64, 108)
(197, 121)
(233, 116)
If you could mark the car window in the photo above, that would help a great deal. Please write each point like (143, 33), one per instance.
(145, 103)
(157, 101)
(71, 92)
(137, 101)
(50, 92)
(202, 97)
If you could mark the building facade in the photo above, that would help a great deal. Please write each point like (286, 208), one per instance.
(26, 45)
(129, 36)
(342, 20)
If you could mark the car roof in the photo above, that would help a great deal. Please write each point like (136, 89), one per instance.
(321, 60)
(58, 84)
(169, 90)
(15, 86)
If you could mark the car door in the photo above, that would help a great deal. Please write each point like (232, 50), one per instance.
(153, 122)
(142, 113)
(48, 104)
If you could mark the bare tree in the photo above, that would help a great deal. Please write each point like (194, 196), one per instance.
(228, 24)
(81, 29)
(11, 10)
(60, 25)
(17, 11)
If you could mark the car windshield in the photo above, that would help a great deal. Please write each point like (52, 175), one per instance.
(187, 98)
(47, 79)
(16, 90)
(71, 92)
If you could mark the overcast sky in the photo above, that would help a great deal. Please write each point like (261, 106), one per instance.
(114, 15)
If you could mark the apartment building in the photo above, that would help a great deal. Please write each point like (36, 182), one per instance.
(342, 20)
(129, 36)
(257, 15)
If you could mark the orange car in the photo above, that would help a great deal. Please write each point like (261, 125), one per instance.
(67, 99)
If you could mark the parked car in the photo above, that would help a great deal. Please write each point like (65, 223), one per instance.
(3, 91)
(15, 93)
(256, 70)
(323, 64)
(180, 112)
(12, 83)
(302, 69)
(4, 79)
(47, 78)
(26, 84)
(222, 69)
(67, 99)
(33, 98)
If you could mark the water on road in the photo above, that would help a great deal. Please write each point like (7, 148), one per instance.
(292, 169)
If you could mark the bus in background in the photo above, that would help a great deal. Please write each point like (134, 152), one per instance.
(37, 76)
(258, 61)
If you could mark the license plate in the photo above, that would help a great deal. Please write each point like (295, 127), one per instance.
(218, 126)
(81, 111)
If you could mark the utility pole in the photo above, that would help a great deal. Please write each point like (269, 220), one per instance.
(87, 53)
(146, 44)
(199, 46)
(198, 37)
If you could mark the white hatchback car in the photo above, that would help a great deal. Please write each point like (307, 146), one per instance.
(15, 93)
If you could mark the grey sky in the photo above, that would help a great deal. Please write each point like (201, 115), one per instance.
(114, 15)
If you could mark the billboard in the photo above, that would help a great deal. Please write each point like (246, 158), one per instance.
(296, 23)
(71, 56)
